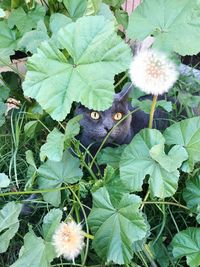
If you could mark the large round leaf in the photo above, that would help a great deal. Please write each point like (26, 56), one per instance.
(187, 243)
(145, 155)
(187, 134)
(55, 79)
(116, 226)
(173, 23)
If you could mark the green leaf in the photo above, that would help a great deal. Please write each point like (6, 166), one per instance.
(145, 156)
(116, 227)
(186, 133)
(191, 193)
(30, 159)
(93, 7)
(110, 156)
(35, 252)
(97, 54)
(31, 40)
(53, 148)
(115, 186)
(7, 42)
(121, 17)
(4, 180)
(53, 174)
(76, 8)
(187, 243)
(25, 22)
(50, 223)
(57, 141)
(29, 128)
(173, 24)
(145, 105)
(4, 92)
(9, 224)
(57, 21)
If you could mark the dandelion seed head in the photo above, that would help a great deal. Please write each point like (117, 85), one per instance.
(153, 72)
(68, 240)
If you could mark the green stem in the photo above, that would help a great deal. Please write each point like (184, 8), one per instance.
(36, 191)
(166, 203)
(153, 106)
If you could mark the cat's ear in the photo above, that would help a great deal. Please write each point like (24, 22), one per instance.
(124, 94)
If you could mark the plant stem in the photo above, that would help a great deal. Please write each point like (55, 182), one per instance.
(153, 106)
(166, 203)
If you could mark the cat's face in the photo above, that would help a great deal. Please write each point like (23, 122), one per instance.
(96, 125)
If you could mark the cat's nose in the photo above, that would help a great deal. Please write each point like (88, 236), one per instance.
(107, 128)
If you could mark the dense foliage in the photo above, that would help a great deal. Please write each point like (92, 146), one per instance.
(144, 209)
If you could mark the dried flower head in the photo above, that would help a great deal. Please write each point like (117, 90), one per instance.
(153, 72)
(68, 240)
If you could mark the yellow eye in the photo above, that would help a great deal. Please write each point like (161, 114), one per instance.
(118, 116)
(94, 115)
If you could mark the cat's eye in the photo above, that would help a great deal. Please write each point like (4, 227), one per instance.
(94, 115)
(118, 116)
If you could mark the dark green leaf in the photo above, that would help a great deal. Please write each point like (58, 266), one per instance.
(191, 193)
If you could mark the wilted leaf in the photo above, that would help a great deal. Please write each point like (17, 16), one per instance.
(88, 75)
(187, 243)
(9, 224)
(187, 134)
(145, 155)
(35, 252)
(171, 22)
(116, 227)
(53, 174)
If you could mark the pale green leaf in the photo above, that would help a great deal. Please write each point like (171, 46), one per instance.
(145, 156)
(30, 159)
(54, 146)
(114, 3)
(50, 223)
(97, 54)
(9, 224)
(4, 180)
(191, 193)
(26, 21)
(53, 174)
(171, 22)
(145, 105)
(35, 252)
(57, 21)
(31, 40)
(116, 227)
(187, 243)
(187, 134)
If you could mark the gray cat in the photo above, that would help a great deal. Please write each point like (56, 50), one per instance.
(96, 125)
